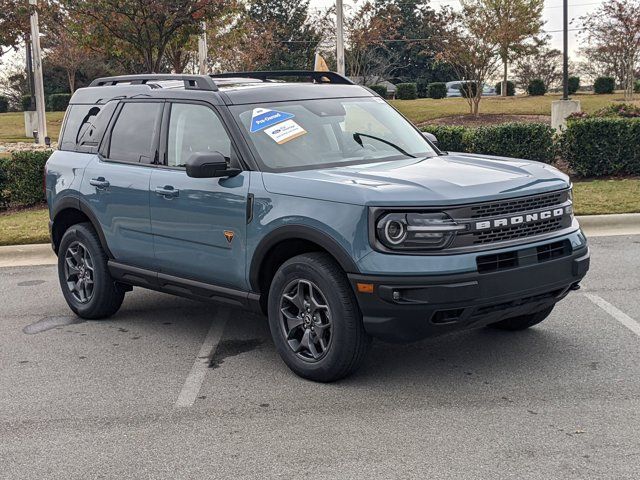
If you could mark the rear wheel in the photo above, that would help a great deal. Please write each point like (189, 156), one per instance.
(86, 283)
(315, 320)
(523, 321)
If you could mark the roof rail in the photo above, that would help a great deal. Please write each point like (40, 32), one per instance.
(315, 76)
(191, 82)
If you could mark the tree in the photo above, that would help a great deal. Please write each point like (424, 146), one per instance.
(518, 22)
(614, 30)
(367, 55)
(287, 25)
(140, 30)
(14, 21)
(546, 65)
(469, 45)
(413, 43)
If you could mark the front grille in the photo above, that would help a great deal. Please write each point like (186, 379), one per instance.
(518, 231)
(517, 205)
(491, 212)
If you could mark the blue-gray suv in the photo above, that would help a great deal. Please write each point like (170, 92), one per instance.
(307, 198)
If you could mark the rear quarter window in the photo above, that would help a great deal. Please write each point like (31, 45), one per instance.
(84, 126)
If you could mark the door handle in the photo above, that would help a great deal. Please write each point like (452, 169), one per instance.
(99, 183)
(167, 191)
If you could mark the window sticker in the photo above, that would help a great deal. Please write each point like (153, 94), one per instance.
(285, 131)
(263, 118)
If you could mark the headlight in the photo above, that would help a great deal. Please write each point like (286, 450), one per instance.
(415, 230)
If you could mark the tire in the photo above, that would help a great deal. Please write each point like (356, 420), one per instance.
(330, 320)
(524, 321)
(86, 284)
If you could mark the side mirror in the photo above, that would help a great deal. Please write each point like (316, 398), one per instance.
(209, 165)
(431, 137)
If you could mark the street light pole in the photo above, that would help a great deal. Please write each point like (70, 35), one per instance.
(565, 55)
(37, 69)
(202, 51)
(340, 37)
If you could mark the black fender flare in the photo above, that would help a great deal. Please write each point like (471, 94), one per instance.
(72, 202)
(302, 232)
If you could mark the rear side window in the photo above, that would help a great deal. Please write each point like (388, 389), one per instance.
(85, 125)
(134, 133)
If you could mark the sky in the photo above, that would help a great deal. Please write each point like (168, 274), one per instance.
(552, 15)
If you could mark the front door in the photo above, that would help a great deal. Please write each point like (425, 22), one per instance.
(198, 224)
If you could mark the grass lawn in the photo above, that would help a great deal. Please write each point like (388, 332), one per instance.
(24, 226)
(425, 109)
(591, 197)
(12, 126)
(595, 197)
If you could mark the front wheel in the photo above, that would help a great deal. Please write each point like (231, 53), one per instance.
(86, 283)
(315, 320)
(523, 321)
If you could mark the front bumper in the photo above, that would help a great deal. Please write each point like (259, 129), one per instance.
(404, 309)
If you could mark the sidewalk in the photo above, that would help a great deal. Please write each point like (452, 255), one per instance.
(593, 226)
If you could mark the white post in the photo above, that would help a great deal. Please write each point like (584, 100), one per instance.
(340, 37)
(37, 72)
(202, 51)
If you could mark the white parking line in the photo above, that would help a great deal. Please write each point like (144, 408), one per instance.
(619, 315)
(194, 380)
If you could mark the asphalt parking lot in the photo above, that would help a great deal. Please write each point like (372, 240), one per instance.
(137, 396)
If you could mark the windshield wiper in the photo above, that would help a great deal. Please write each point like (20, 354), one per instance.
(358, 138)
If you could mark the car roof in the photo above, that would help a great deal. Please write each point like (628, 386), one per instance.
(228, 89)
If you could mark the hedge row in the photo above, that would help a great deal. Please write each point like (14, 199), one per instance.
(592, 147)
(533, 141)
(56, 102)
(406, 91)
(4, 104)
(21, 179)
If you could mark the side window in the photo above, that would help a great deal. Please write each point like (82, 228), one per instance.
(77, 115)
(194, 128)
(132, 137)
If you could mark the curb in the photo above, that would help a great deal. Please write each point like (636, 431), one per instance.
(592, 225)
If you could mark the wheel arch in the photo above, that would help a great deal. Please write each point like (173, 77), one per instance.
(71, 211)
(286, 242)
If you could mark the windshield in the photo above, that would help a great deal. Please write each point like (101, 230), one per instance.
(328, 132)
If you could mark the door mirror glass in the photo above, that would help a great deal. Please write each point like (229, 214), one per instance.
(209, 165)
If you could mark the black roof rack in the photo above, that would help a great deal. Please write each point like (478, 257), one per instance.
(191, 82)
(316, 76)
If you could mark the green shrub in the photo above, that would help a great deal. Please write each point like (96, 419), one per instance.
(604, 85)
(451, 138)
(437, 90)
(4, 104)
(3, 186)
(380, 90)
(26, 103)
(422, 86)
(636, 87)
(23, 176)
(531, 141)
(511, 88)
(406, 91)
(58, 102)
(574, 84)
(536, 87)
(602, 146)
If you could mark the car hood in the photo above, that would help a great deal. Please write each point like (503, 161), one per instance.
(454, 178)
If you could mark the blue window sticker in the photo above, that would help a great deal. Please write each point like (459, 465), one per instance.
(263, 118)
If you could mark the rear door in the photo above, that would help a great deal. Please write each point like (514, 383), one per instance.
(198, 224)
(116, 183)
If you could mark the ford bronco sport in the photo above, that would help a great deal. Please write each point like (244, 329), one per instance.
(308, 198)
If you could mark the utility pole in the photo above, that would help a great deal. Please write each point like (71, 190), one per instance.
(561, 109)
(340, 37)
(565, 55)
(202, 50)
(37, 69)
